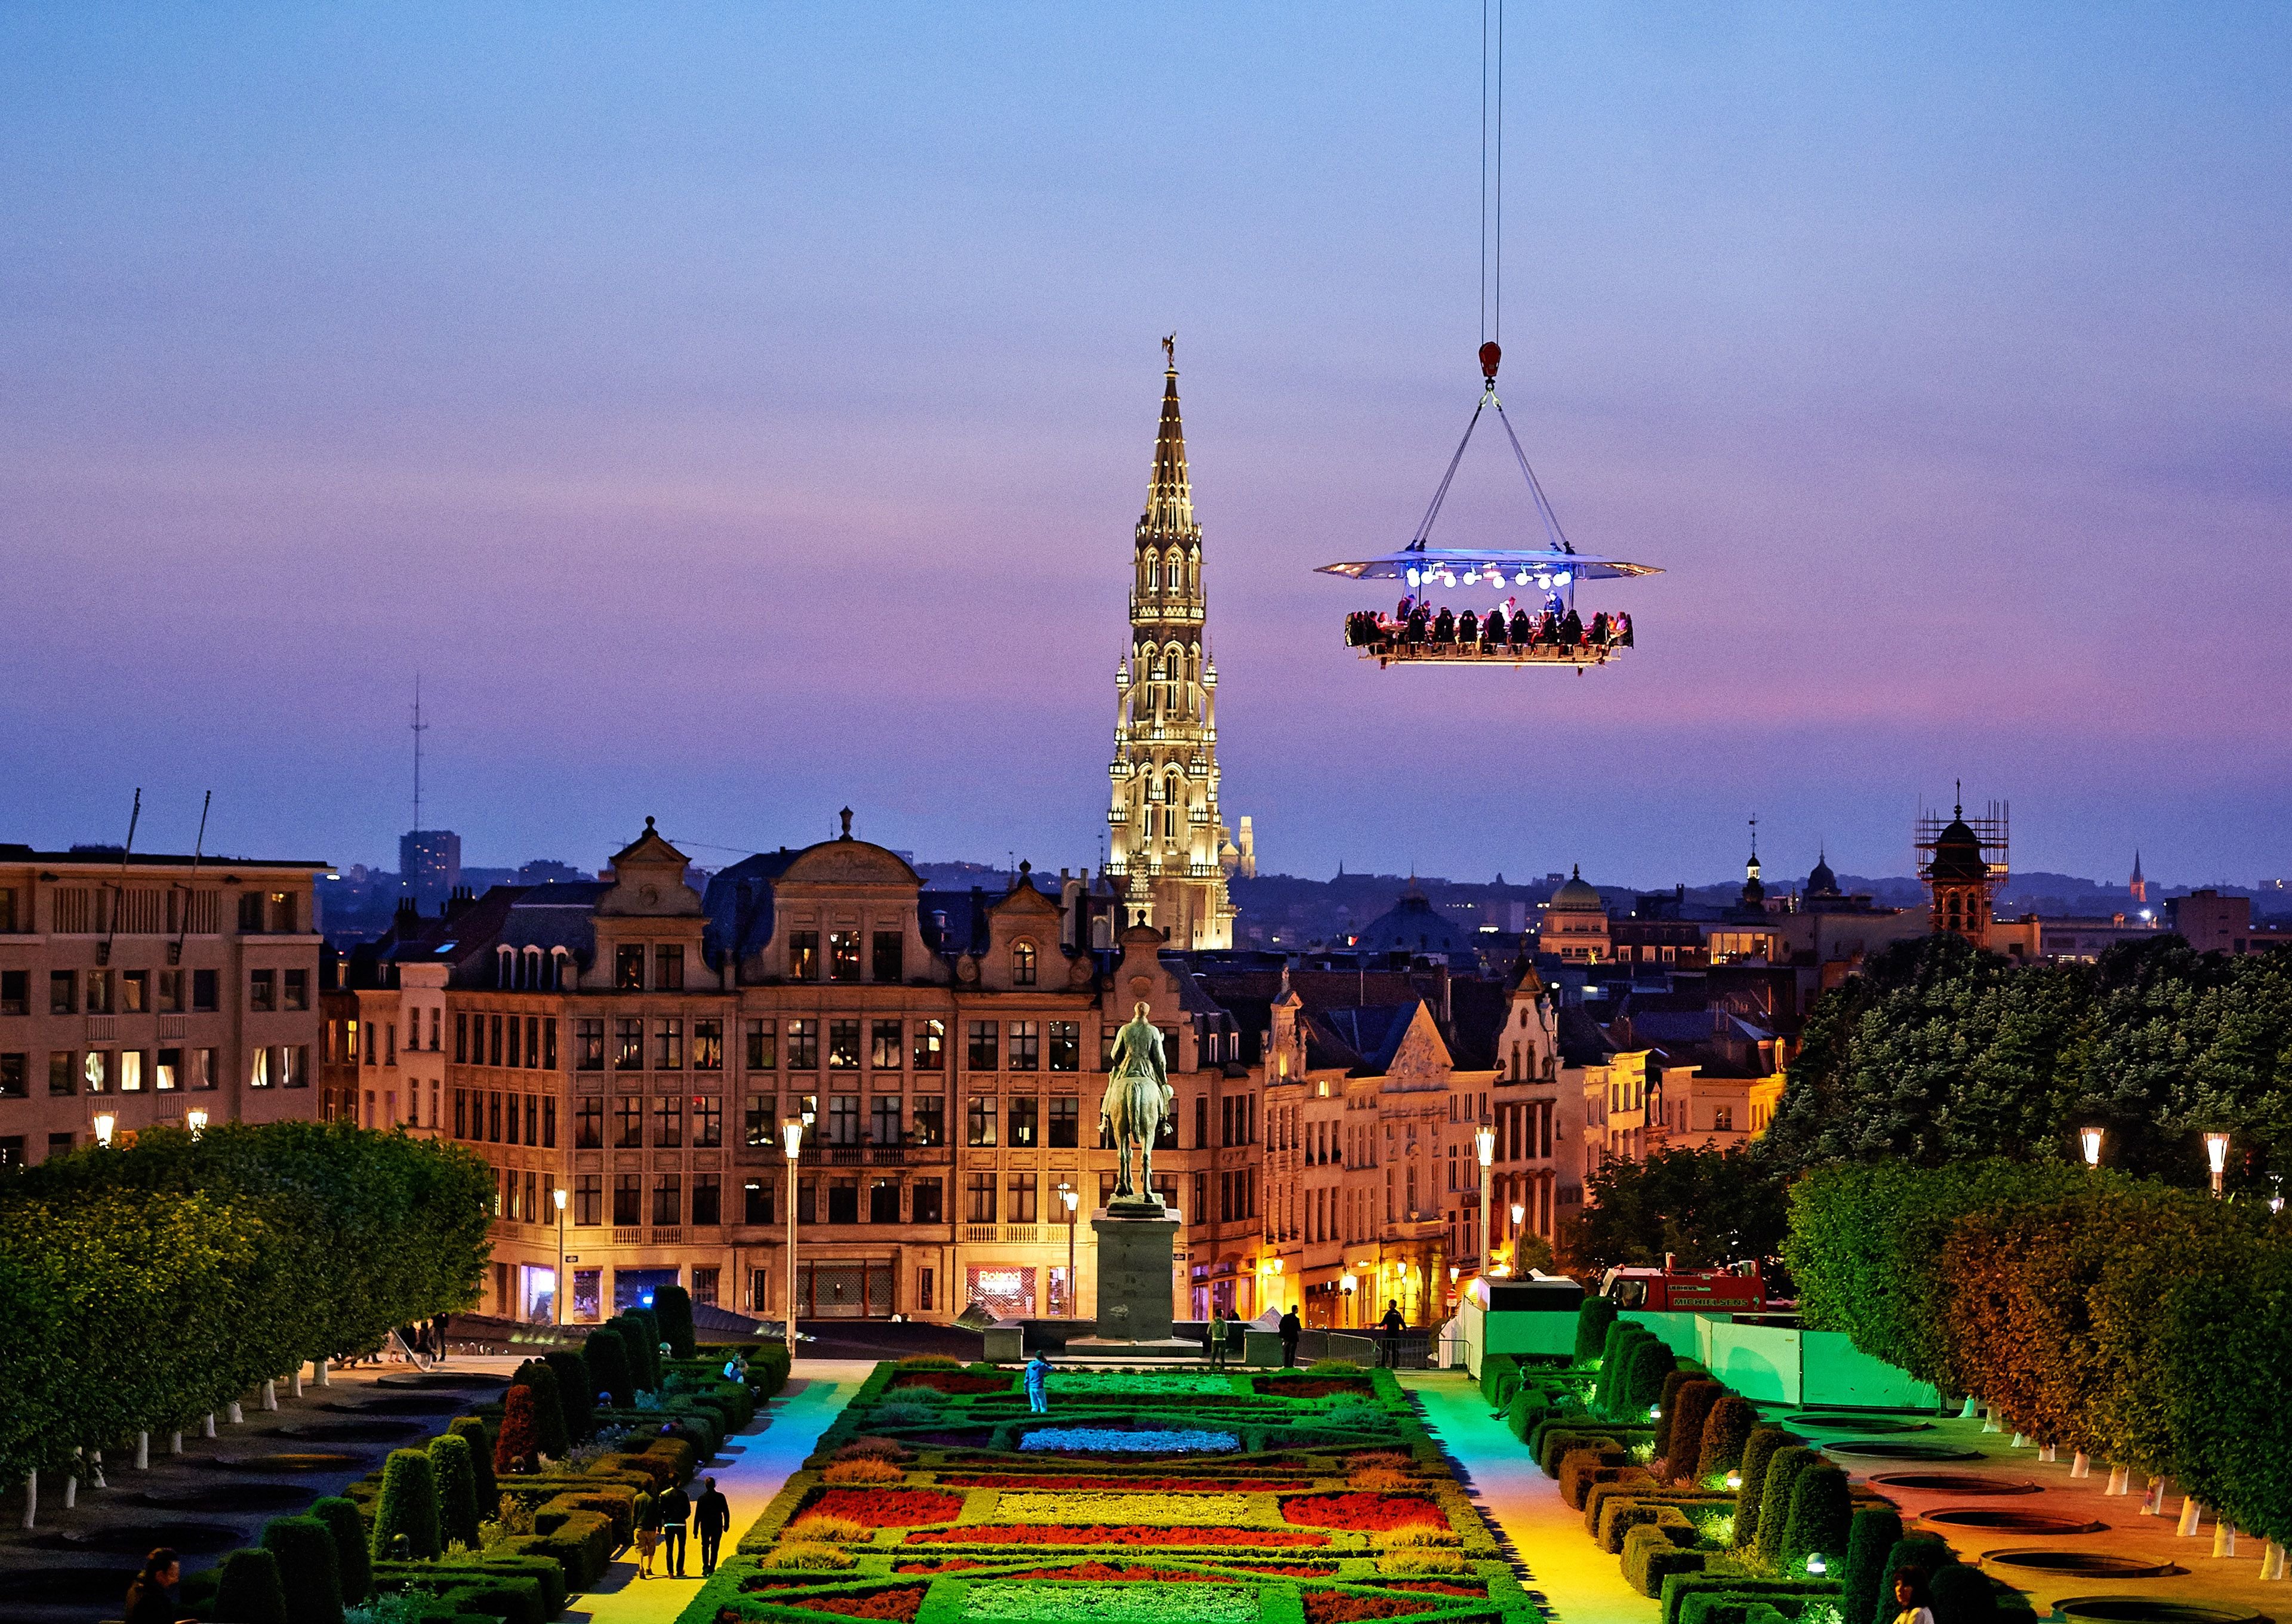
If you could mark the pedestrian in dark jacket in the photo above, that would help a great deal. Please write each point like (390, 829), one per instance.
(675, 1512)
(1290, 1328)
(151, 1599)
(712, 1514)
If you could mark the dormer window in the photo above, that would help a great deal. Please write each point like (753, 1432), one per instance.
(505, 966)
(628, 966)
(1022, 963)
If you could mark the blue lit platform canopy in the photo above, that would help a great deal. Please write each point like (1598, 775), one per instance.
(1545, 569)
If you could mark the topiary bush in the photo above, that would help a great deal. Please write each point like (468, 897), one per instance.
(458, 1507)
(1962, 1594)
(573, 1393)
(671, 1308)
(248, 1591)
(1592, 1320)
(1783, 1469)
(519, 1442)
(1725, 1431)
(643, 1334)
(1650, 1362)
(1869, 1537)
(409, 1505)
(1820, 1517)
(1691, 1406)
(549, 1429)
(1758, 1450)
(612, 1377)
(481, 1459)
(309, 1572)
(1668, 1401)
(1919, 1554)
(354, 1568)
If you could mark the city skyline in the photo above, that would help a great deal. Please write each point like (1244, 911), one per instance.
(723, 445)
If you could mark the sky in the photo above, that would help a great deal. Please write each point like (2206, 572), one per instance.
(736, 412)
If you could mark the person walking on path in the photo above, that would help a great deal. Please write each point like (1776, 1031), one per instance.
(151, 1599)
(1217, 1339)
(648, 1518)
(1039, 1382)
(1290, 1326)
(712, 1514)
(675, 1511)
(1392, 1325)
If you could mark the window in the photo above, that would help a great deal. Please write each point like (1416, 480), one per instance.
(667, 1199)
(708, 1045)
(629, 1123)
(667, 1044)
(588, 1043)
(1019, 1209)
(12, 1077)
(844, 957)
(460, 1040)
(804, 1046)
(929, 1054)
(588, 1123)
(704, 1276)
(668, 966)
(843, 1119)
(1056, 1204)
(205, 1070)
(588, 1198)
(437, 1015)
(1066, 1121)
(298, 989)
(628, 967)
(15, 992)
(925, 1205)
(756, 1119)
(884, 1200)
(983, 1045)
(250, 913)
(628, 1198)
(980, 1124)
(843, 1045)
(978, 1198)
(930, 1119)
(803, 956)
(707, 1200)
(533, 1040)
(883, 1119)
(134, 991)
(1026, 1046)
(757, 1201)
(494, 1041)
(1022, 963)
(261, 989)
(668, 1122)
(763, 1044)
(889, 956)
(628, 1043)
(168, 1070)
(883, 1045)
(295, 1066)
(844, 1200)
(1066, 1046)
(1722, 1119)
(548, 1122)
(1026, 1111)
(63, 991)
(707, 1122)
(282, 914)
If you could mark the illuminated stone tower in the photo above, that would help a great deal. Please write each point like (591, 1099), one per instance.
(1167, 851)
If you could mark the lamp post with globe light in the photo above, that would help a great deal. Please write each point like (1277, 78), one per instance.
(792, 1141)
(1484, 1145)
(2217, 1156)
(557, 1287)
(1519, 1216)
(1069, 1198)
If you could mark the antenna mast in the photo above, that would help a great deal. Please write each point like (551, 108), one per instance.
(420, 728)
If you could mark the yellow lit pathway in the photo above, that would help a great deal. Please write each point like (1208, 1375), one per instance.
(1578, 1582)
(749, 1471)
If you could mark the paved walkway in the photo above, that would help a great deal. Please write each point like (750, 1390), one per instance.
(749, 1471)
(1577, 1582)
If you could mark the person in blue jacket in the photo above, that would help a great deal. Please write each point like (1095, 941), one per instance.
(1039, 1383)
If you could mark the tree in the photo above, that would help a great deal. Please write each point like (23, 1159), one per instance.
(310, 1570)
(407, 1506)
(1710, 1208)
(458, 1511)
(1726, 1430)
(1758, 1452)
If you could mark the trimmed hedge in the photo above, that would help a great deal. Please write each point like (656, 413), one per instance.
(1593, 1319)
(458, 1512)
(1692, 1403)
(1758, 1450)
(1725, 1431)
(1822, 1516)
(309, 1573)
(1869, 1537)
(612, 1377)
(573, 1393)
(1783, 1469)
(472, 1429)
(248, 1590)
(671, 1308)
(409, 1505)
(1719, 1594)
(1653, 1552)
(354, 1568)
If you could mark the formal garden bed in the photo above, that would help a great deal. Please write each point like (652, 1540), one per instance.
(1191, 1496)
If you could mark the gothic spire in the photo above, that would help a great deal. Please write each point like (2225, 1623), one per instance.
(1169, 498)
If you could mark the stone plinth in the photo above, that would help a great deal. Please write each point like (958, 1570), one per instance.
(1134, 1251)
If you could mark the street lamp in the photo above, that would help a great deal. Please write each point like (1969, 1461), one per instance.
(1349, 1284)
(2091, 1138)
(104, 1124)
(1484, 1144)
(792, 1141)
(197, 1119)
(557, 1290)
(1519, 1217)
(1069, 1198)
(2216, 1153)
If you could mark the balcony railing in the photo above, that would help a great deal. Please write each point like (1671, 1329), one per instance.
(874, 1155)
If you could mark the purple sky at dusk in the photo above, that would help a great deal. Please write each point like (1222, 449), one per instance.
(734, 413)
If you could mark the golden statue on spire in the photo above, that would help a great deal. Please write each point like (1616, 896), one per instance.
(1170, 349)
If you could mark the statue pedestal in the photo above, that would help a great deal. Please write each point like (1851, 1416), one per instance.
(1134, 1252)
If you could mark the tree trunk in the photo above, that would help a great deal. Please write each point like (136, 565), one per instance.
(207, 1427)
(237, 1416)
(2049, 1453)
(1990, 1419)
(32, 1499)
(95, 1469)
(2224, 1538)
(271, 1394)
(2272, 1561)
(2118, 1480)
(2081, 1464)
(322, 1372)
(1970, 1408)
(2193, 1516)
(298, 1381)
(143, 1451)
(71, 1482)
(2018, 1443)
(175, 1441)
(2152, 1503)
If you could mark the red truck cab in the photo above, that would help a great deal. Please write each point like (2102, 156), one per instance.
(1672, 1289)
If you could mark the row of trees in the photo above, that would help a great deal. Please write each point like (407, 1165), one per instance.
(143, 1286)
(2126, 1320)
(1938, 1052)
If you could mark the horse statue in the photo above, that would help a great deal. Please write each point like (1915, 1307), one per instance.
(1139, 1099)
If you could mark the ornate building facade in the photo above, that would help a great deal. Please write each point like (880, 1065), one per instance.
(1168, 853)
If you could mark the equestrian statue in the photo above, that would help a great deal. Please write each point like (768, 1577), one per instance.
(1139, 1099)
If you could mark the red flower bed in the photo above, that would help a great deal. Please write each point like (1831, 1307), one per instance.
(942, 1564)
(1104, 1570)
(1293, 1570)
(1316, 1386)
(1368, 1512)
(1111, 1533)
(1141, 1485)
(888, 1507)
(952, 1381)
(1434, 1587)
(1334, 1607)
(902, 1603)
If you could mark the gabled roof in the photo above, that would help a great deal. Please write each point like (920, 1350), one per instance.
(738, 904)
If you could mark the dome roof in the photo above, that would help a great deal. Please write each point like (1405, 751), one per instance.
(1576, 897)
(1957, 855)
(1822, 882)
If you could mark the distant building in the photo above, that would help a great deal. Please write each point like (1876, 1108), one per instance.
(151, 991)
(2137, 885)
(1961, 866)
(2211, 923)
(1574, 928)
(429, 866)
(542, 871)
